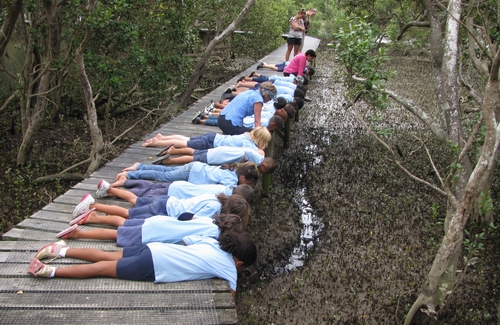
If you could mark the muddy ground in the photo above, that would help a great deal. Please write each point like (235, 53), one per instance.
(373, 232)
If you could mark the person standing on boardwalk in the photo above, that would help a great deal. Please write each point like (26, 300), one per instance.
(295, 33)
(307, 24)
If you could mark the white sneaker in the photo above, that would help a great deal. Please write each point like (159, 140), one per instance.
(84, 205)
(102, 189)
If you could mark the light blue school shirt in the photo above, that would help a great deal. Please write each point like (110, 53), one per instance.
(290, 78)
(201, 259)
(284, 90)
(240, 140)
(288, 98)
(241, 106)
(202, 173)
(184, 190)
(281, 83)
(266, 114)
(226, 155)
(165, 229)
(202, 206)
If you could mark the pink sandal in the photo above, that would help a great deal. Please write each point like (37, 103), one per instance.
(65, 233)
(83, 217)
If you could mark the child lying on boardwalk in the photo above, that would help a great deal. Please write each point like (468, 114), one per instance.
(202, 258)
(195, 172)
(163, 229)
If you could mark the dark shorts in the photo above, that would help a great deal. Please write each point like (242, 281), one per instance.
(200, 155)
(205, 141)
(130, 234)
(149, 206)
(136, 264)
(294, 41)
(144, 188)
(227, 127)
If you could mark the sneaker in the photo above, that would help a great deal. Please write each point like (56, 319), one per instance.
(50, 251)
(260, 66)
(37, 268)
(241, 78)
(102, 189)
(83, 206)
(195, 117)
(208, 109)
(197, 120)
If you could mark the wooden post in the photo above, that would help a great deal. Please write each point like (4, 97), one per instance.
(286, 138)
(266, 179)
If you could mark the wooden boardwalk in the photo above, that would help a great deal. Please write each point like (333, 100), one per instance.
(25, 299)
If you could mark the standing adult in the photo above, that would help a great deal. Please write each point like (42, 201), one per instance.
(307, 24)
(298, 63)
(247, 103)
(294, 39)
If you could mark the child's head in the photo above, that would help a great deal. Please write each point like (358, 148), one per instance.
(249, 172)
(303, 88)
(267, 166)
(280, 103)
(240, 245)
(290, 110)
(229, 222)
(268, 91)
(275, 123)
(261, 137)
(299, 101)
(309, 71)
(246, 191)
(235, 204)
(299, 93)
(281, 113)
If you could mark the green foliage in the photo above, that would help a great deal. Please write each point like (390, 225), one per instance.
(485, 202)
(361, 55)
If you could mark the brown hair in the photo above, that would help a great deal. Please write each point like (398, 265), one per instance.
(235, 204)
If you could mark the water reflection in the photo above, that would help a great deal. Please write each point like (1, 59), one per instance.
(311, 228)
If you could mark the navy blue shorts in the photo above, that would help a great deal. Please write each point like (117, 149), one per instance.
(148, 206)
(201, 156)
(130, 234)
(144, 188)
(227, 127)
(205, 141)
(136, 264)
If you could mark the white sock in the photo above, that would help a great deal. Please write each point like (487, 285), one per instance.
(62, 251)
(52, 272)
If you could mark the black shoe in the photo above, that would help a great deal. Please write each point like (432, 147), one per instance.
(241, 78)
(195, 117)
(228, 90)
(260, 66)
(251, 74)
(159, 160)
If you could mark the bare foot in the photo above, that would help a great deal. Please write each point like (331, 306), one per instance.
(85, 220)
(120, 180)
(127, 169)
(159, 136)
(152, 142)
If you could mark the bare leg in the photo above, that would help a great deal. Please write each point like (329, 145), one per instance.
(100, 234)
(181, 151)
(288, 51)
(185, 159)
(112, 220)
(296, 50)
(267, 66)
(122, 194)
(110, 209)
(105, 268)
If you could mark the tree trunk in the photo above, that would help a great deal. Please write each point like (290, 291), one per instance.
(95, 132)
(9, 23)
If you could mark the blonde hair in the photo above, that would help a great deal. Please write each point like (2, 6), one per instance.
(261, 136)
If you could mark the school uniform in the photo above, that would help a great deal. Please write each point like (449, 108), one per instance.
(195, 172)
(163, 229)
